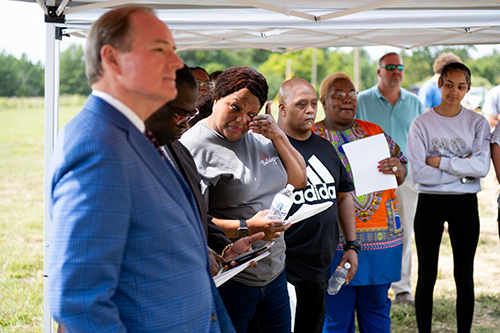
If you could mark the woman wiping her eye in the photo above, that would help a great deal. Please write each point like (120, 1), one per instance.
(244, 159)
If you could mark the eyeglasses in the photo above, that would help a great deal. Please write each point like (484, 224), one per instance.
(343, 94)
(182, 119)
(208, 84)
(393, 67)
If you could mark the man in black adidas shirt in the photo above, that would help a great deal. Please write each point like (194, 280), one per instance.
(310, 244)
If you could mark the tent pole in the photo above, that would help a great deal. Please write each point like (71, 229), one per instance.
(357, 68)
(314, 67)
(51, 126)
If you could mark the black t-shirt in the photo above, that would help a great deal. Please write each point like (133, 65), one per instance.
(310, 244)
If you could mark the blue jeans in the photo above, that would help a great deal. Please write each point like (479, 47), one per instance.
(372, 308)
(258, 309)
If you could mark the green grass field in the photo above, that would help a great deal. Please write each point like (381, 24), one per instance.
(21, 211)
(21, 233)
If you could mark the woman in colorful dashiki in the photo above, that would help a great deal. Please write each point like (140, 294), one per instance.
(378, 226)
(448, 152)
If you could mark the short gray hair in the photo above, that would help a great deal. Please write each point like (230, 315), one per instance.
(386, 55)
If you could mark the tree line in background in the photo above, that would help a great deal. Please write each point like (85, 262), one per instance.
(21, 77)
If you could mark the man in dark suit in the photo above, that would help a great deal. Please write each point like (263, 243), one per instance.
(127, 249)
(168, 124)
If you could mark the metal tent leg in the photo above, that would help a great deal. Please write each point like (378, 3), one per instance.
(51, 128)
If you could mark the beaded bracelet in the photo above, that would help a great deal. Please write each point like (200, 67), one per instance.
(225, 249)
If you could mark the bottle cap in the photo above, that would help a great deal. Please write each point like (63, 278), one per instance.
(347, 265)
(290, 187)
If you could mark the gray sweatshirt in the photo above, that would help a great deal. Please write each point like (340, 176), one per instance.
(453, 138)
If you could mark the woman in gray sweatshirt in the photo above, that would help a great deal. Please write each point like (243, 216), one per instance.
(448, 150)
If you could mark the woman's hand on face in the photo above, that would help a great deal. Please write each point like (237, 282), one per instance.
(390, 166)
(266, 125)
(271, 229)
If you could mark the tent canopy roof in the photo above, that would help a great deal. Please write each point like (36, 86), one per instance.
(284, 26)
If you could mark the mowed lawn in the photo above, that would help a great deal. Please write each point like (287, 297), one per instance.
(21, 233)
(21, 212)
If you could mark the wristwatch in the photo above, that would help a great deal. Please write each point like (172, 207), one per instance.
(243, 229)
(352, 245)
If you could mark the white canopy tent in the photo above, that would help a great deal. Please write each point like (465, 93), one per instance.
(276, 25)
(223, 27)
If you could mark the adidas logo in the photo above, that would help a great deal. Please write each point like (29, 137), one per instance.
(321, 184)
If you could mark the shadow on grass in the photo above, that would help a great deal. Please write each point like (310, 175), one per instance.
(486, 315)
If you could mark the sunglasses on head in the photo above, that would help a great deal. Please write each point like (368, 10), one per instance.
(182, 119)
(343, 94)
(393, 67)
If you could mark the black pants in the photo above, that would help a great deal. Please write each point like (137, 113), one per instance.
(498, 219)
(461, 213)
(311, 302)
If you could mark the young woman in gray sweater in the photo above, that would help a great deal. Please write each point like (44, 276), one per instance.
(448, 150)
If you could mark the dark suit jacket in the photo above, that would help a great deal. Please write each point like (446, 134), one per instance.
(217, 239)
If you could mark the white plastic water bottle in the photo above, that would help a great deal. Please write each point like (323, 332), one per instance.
(338, 279)
(281, 204)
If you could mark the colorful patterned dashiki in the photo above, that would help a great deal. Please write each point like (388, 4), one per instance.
(378, 225)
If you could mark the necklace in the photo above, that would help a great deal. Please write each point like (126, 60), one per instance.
(441, 112)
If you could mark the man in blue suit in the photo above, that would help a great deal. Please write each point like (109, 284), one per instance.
(127, 249)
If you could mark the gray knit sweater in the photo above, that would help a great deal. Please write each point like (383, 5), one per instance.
(431, 134)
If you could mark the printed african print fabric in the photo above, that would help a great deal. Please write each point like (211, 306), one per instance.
(377, 217)
(378, 225)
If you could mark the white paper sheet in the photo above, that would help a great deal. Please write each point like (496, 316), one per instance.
(305, 211)
(364, 156)
(221, 278)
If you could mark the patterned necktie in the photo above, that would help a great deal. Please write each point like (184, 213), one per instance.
(153, 140)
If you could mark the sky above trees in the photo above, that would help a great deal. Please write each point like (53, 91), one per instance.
(18, 37)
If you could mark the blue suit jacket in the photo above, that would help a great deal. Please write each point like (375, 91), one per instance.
(127, 249)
